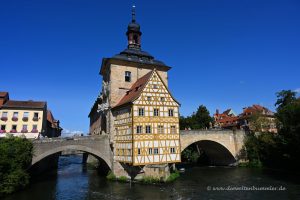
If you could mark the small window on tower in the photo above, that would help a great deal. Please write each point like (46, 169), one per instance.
(135, 39)
(127, 76)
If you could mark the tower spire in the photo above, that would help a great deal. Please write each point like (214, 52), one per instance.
(133, 32)
(133, 13)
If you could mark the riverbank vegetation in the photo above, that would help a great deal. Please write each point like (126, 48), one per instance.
(173, 176)
(145, 180)
(16, 155)
(282, 149)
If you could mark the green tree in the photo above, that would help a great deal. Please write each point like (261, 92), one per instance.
(202, 118)
(258, 122)
(199, 120)
(285, 97)
(190, 155)
(288, 116)
(278, 150)
(16, 155)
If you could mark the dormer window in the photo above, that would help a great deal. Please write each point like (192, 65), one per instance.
(127, 76)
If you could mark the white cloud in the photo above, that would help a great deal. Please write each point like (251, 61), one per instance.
(297, 90)
(69, 133)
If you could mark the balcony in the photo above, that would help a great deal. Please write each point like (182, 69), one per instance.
(35, 119)
(13, 131)
(2, 131)
(25, 119)
(24, 131)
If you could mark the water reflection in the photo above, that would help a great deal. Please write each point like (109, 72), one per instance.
(75, 181)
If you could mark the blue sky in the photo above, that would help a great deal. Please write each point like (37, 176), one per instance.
(224, 53)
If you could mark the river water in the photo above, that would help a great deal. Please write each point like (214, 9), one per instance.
(75, 181)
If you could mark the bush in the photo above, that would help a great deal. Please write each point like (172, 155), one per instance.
(111, 176)
(190, 155)
(123, 179)
(16, 155)
(150, 180)
(173, 176)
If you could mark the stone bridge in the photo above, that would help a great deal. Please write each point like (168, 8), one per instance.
(222, 147)
(98, 146)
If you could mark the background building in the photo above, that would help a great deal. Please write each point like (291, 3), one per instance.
(227, 119)
(28, 118)
(258, 118)
(254, 118)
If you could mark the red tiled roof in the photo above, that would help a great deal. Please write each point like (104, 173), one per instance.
(228, 119)
(24, 104)
(3, 94)
(50, 117)
(257, 108)
(135, 90)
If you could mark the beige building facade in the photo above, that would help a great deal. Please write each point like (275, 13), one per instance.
(23, 118)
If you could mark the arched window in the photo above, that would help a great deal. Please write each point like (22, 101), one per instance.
(135, 39)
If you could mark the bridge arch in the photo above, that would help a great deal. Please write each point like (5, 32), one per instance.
(223, 146)
(215, 152)
(82, 148)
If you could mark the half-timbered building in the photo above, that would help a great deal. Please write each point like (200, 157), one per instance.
(147, 123)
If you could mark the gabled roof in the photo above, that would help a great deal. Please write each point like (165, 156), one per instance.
(25, 104)
(226, 112)
(50, 117)
(137, 88)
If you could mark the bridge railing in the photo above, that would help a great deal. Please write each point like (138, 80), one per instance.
(61, 139)
(208, 131)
